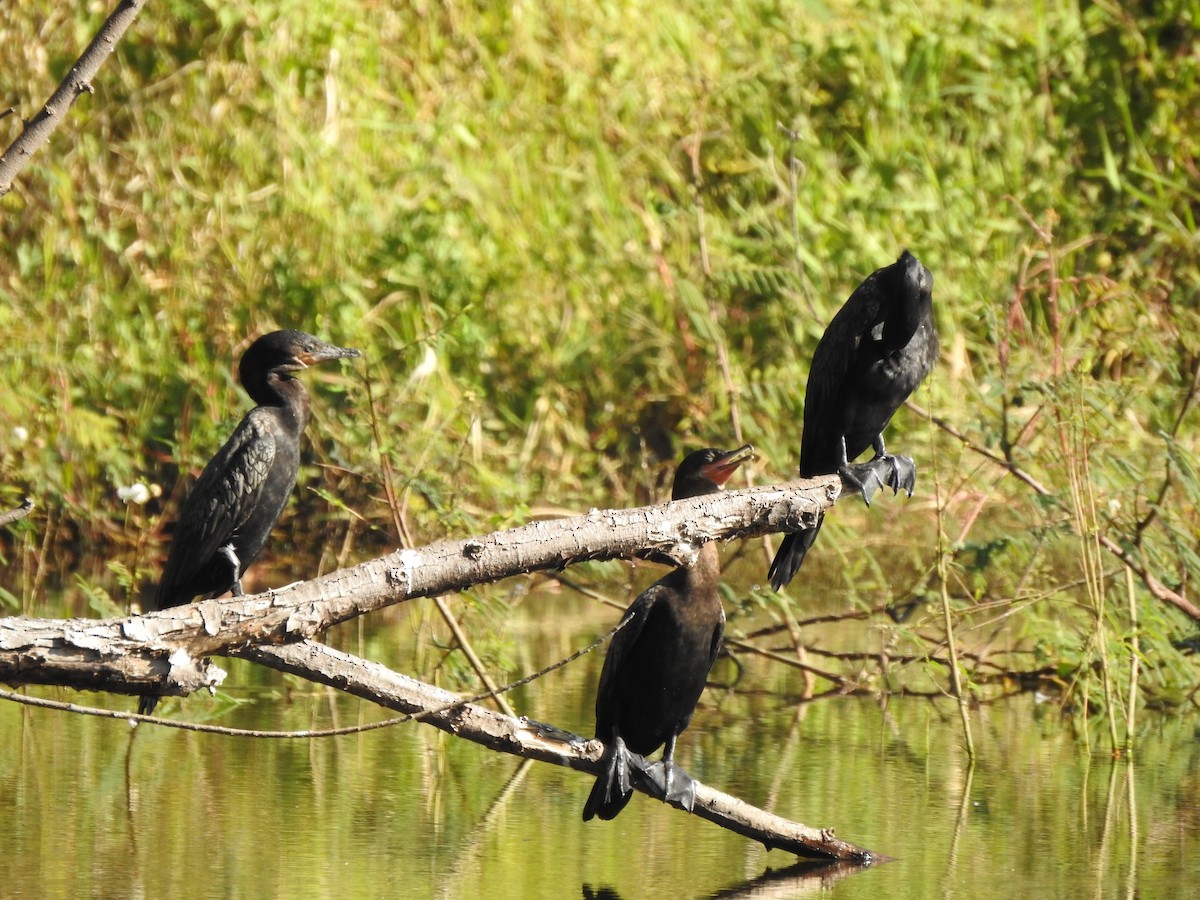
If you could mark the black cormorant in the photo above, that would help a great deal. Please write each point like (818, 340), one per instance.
(875, 352)
(224, 523)
(659, 660)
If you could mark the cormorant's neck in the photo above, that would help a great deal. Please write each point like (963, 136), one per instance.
(917, 311)
(905, 319)
(706, 571)
(279, 389)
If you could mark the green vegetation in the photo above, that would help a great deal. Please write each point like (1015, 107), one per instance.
(545, 227)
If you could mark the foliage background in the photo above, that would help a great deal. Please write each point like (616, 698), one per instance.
(575, 240)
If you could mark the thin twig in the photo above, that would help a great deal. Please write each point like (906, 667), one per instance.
(78, 81)
(101, 713)
(793, 166)
(464, 644)
(1184, 406)
(1156, 587)
(13, 515)
(943, 557)
(1015, 470)
(1134, 660)
(385, 466)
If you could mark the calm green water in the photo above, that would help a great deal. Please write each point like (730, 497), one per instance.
(91, 808)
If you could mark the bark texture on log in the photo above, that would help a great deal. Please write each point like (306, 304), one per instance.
(163, 652)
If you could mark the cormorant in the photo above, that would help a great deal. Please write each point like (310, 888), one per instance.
(875, 352)
(230, 511)
(659, 660)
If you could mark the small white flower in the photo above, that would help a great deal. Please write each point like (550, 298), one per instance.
(20, 435)
(136, 493)
(426, 367)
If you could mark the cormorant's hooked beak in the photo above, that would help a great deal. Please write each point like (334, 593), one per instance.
(720, 469)
(324, 353)
(919, 277)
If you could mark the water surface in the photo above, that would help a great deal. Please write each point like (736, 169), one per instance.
(93, 808)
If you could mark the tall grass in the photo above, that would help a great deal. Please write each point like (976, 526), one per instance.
(498, 204)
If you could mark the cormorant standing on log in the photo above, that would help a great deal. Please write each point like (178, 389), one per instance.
(659, 660)
(875, 352)
(230, 511)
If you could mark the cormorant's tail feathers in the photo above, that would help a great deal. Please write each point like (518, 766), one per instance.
(791, 554)
(605, 801)
(611, 792)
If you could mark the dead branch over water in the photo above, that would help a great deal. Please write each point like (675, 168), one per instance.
(166, 651)
(533, 740)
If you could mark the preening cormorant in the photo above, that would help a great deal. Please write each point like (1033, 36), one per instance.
(659, 660)
(875, 352)
(230, 511)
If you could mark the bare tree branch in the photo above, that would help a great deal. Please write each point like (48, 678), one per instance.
(12, 515)
(164, 652)
(78, 81)
(1153, 585)
(532, 740)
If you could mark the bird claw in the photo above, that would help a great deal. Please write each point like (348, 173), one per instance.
(623, 768)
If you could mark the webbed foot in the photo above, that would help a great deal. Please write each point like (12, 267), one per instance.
(864, 477)
(903, 474)
(614, 787)
(617, 774)
(897, 472)
(674, 784)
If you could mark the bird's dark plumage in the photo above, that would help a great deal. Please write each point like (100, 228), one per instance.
(230, 511)
(876, 351)
(659, 660)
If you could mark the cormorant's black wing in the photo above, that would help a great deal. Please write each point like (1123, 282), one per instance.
(622, 645)
(859, 320)
(221, 500)
(611, 793)
(718, 636)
